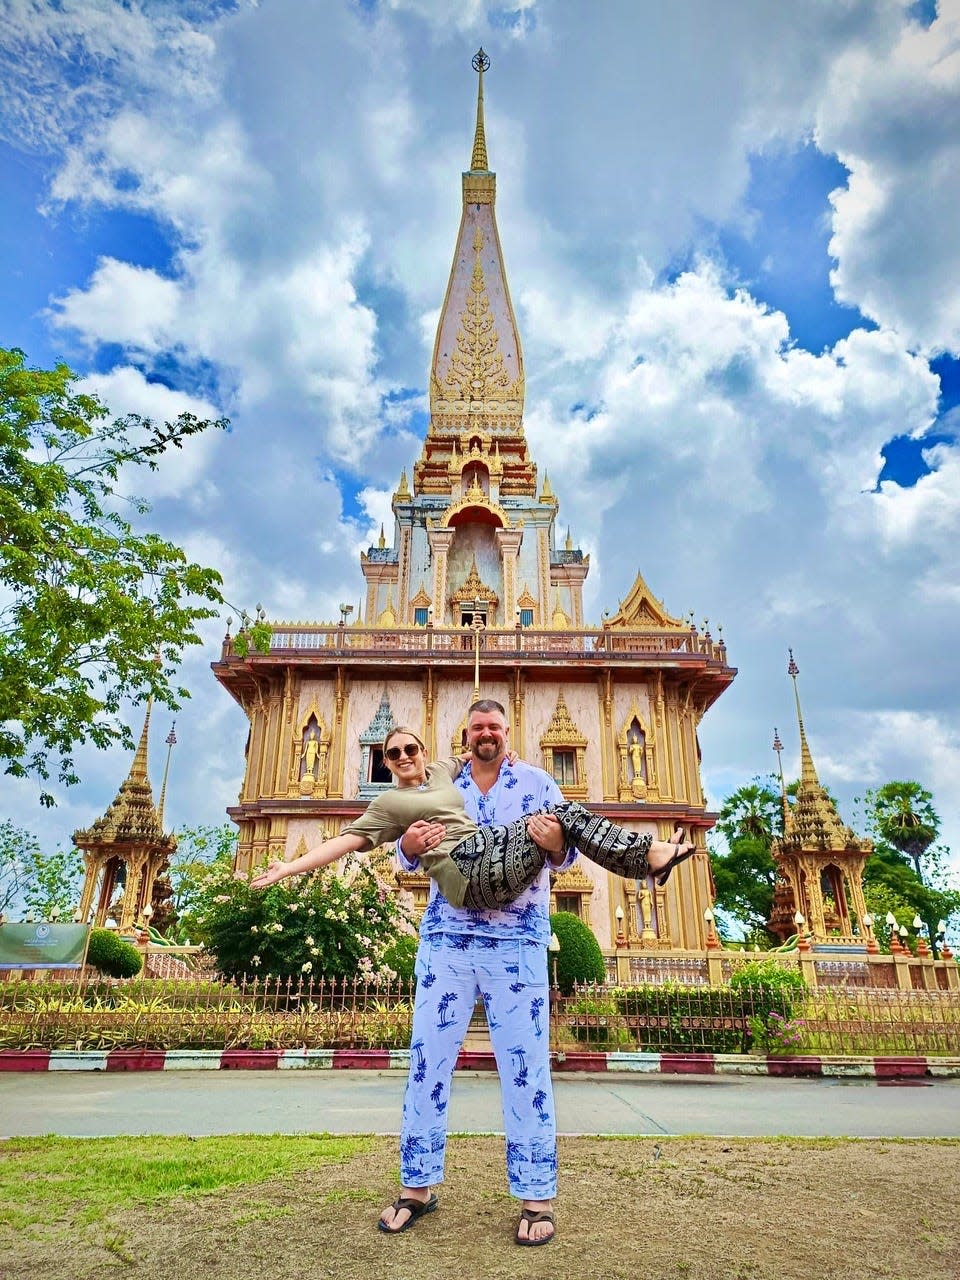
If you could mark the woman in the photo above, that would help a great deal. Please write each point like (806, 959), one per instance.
(477, 867)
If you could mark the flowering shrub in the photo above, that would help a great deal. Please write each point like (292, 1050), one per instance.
(776, 1034)
(323, 925)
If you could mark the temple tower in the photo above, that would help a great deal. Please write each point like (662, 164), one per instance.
(130, 836)
(476, 588)
(819, 860)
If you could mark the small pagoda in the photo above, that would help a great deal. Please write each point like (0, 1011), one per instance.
(819, 859)
(127, 847)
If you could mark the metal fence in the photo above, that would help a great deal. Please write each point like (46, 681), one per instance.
(257, 1014)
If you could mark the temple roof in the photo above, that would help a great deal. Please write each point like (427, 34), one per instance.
(132, 818)
(641, 609)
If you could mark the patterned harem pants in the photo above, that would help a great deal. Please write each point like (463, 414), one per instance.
(500, 862)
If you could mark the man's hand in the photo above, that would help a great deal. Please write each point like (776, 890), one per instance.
(547, 832)
(420, 837)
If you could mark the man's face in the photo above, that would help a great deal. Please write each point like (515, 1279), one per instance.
(487, 735)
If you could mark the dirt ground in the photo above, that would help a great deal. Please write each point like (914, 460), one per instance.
(629, 1209)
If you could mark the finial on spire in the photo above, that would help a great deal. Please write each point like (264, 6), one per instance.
(478, 160)
(138, 769)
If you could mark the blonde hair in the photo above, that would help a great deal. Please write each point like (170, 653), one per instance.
(402, 728)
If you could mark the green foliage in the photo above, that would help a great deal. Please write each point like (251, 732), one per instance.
(401, 957)
(901, 816)
(52, 882)
(112, 956)
(17, 846)
(204, 855)
(579, 958)
(328, 924)
(772, 995)
(744, 872)
(94, 613)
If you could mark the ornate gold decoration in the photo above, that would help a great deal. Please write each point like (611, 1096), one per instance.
(547, 496)
(478, 160)
(474, 589)
(477, 499)
(309, 755)
(815, 842)
(561, 619)
(388, 618)
(130, 832)
(477, 371)
(562, 734)
(637, 759)
(403, 494)
(421, 600)
(642, 610)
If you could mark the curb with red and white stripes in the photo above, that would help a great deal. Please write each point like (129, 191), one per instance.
(871, 1068)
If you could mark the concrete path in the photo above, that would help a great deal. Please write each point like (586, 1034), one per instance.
(87, 1104)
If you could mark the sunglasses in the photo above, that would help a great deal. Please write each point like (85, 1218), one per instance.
(410, 749)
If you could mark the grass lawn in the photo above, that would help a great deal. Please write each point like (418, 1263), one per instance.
(275, 1208)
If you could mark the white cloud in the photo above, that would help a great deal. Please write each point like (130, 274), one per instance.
(893, 118)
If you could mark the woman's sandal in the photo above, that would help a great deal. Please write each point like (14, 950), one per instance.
(684, 852)
(530, 1216)
(416, 1209)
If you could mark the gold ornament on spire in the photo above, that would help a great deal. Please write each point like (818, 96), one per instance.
(478, 160)
(477, 371)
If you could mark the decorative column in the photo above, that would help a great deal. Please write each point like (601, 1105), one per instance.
(508, 542)
(440, 541)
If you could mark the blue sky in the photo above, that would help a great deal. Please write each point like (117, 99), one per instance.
(736, 277)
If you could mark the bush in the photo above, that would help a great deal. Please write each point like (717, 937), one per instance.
(769, 995)
(326, 925)
(579, 958)
(112, 956)
(401, 957)
(675, 1018)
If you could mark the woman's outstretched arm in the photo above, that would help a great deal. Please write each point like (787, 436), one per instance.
(320, 856)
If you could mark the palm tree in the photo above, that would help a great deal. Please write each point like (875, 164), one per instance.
(904, 817)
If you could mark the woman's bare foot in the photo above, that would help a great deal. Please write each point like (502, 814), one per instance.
(394, 1219)
(535, 1231)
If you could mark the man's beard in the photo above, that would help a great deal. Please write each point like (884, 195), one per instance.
(487, 750)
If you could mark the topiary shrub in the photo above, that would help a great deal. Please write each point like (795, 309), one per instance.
(112, 956)
(579, 958)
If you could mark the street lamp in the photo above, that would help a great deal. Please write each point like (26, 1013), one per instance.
(621, 936)
(866, 920)
(477, 628)
(712, 940)
(553, 946)
(799, 921)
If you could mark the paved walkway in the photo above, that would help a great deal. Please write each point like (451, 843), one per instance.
(88, 1104)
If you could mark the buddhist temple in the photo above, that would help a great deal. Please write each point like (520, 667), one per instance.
(126, 851)
(473, 590)
(820, 861)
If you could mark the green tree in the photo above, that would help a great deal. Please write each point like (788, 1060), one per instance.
(52, 882)
(93, 612)
(17, 846)
(905, 874)
(744, 871)
(901, 815)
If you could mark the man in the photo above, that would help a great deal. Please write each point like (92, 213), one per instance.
(500, 956)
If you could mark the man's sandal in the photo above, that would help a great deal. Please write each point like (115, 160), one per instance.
(530, 1216)
(416, 1209)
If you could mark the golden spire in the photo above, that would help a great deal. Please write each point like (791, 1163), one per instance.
(808, 774)
(383, 540)
(478, 160)
(813, 822)
(171, 743)
(403, 493)
(138, 770)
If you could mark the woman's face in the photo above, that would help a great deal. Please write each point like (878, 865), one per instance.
(406, 760)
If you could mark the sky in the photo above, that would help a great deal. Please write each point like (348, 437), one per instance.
(732, 241)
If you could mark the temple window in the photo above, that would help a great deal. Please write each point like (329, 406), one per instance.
(565, 768)
(569, 902)
(526, 617)
(421, 617)
(378, 770)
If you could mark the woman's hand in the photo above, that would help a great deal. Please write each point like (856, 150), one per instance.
(276, 871)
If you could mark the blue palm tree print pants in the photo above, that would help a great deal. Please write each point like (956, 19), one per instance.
(510, 977)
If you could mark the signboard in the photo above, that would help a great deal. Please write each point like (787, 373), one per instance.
(43, 945)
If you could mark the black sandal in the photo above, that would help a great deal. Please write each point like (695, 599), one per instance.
(530, 1216)
(682, 854)
(416, 1209)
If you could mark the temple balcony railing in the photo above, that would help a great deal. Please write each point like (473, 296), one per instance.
(602, 645)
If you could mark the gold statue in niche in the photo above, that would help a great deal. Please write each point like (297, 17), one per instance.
(645, 903)
(311, 750)
(637, 783)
